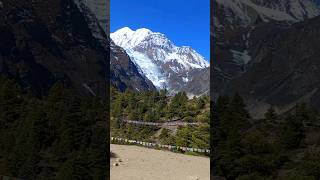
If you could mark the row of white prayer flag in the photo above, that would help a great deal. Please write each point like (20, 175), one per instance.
(170, 147)
(160, 124)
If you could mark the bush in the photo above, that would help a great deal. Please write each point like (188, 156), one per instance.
(311, 162)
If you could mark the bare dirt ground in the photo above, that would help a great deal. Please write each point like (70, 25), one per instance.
(138, 163)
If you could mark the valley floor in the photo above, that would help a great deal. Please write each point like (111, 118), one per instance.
(149, 164)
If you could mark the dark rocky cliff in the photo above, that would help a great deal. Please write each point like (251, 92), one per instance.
(285, 69)
(41, 45)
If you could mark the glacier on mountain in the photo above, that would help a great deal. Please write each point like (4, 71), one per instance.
(149, 69)
(159, 59)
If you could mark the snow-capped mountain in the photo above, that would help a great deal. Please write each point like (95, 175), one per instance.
(258, 47)
(236, 26)
(229, 17)
(159, 59)
(123, 72)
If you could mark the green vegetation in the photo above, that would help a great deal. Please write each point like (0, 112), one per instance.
(159, 107)
(275, 147)
(58, 136)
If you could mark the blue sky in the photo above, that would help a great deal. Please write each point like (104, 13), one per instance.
(184, 22)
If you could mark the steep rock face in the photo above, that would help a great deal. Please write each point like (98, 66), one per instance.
(248, 12)
(200, 82)
(237, 27)
(101, 10)
(124, 74)
(40, 46)
(286, 70)
(156, 57)
(268, 60)
(233, 20)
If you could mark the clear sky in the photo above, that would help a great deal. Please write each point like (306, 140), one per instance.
(184, 22)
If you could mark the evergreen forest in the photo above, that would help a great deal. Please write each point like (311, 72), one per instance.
(282, 147)
(158, 106)
(61, 135)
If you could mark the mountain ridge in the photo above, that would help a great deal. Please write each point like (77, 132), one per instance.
(123, 72)
(159, 59)
(40, 47)
(242, 54)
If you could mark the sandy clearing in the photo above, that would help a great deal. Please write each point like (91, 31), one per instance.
(140, 163)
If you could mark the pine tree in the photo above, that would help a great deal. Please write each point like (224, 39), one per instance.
(98, 153)
(200, 103)
(231, 119)
(271, 115)
(148, 116)
(183, 137)
(30, 140)
(302, 113)
(292, 132)
(217, 111)
(178, 105)
(311, 162)
(116, 114)
(70, 130)
(10, 103)
(200, 137)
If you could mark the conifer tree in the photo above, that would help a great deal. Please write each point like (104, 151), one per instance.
(183, 137)
(292, 132)
(271, 115)
(311, 162)
(70, 129)
(10, 103)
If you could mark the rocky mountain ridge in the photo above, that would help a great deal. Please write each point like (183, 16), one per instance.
(41, 46)
(123, 72)
(246, 36)
(160, 60)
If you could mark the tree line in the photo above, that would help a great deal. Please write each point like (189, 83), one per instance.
(275, 147)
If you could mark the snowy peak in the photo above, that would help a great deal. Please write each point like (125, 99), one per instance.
(124, 31)
(141, 38)
(157, 40)
(158, 58)
(194, 59)
(127, 38)
(157, 47)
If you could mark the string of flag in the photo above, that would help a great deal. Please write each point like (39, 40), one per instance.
(176, 123)
(156, 145)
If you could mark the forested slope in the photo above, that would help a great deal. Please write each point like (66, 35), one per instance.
(159, 107)
(59, 136)
(274, 147)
